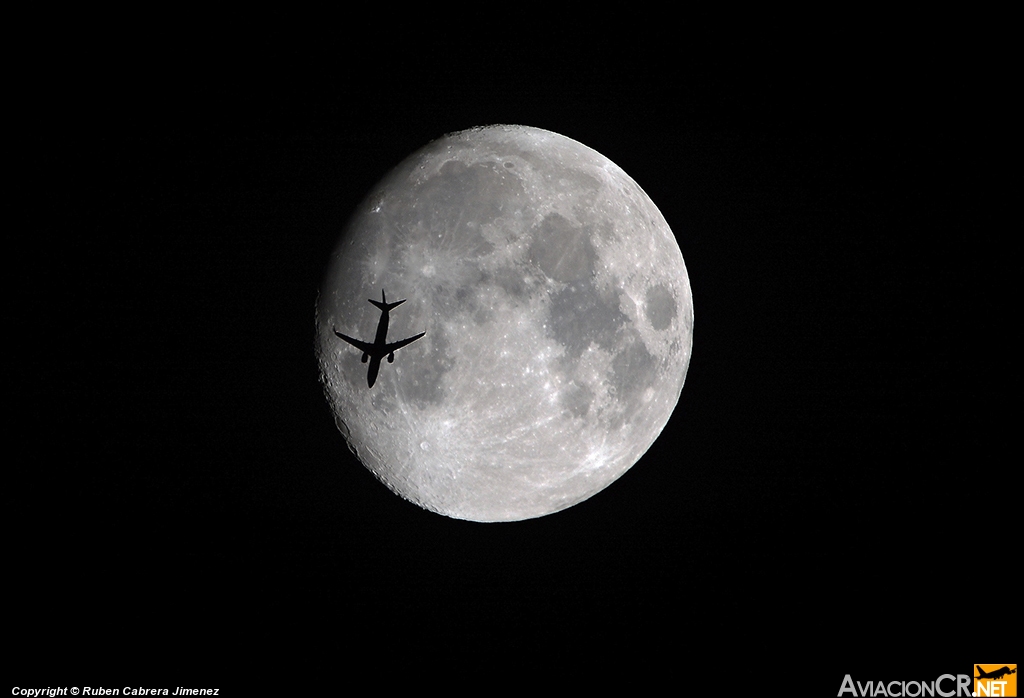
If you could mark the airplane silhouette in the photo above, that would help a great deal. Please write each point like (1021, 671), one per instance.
(380, 347)
(995, 673)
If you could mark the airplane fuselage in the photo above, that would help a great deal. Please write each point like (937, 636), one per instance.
(382, 329)
(372, 370)
(380, 342)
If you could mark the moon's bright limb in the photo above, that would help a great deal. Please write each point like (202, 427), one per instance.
(558, 322)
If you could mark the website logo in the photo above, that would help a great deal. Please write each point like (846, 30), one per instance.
(945, 686)
(995, 680)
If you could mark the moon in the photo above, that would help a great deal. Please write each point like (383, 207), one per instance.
(558, 319)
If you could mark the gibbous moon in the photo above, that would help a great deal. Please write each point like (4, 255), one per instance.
(558, 321)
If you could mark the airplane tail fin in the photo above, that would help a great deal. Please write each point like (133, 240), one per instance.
(383, 302)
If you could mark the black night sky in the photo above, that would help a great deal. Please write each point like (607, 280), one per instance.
(831, 491)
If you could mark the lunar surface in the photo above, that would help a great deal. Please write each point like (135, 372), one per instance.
(558, 321)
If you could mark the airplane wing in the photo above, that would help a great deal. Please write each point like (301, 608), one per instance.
(388, 348)
(365, 347)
